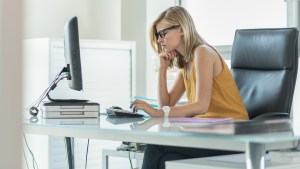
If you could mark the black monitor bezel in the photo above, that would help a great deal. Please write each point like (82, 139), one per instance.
(72, 54)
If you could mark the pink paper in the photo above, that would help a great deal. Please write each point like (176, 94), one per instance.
(199, 120)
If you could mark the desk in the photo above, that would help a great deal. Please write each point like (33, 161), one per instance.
(252, 137)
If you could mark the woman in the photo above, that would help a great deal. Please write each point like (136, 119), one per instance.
(203, 75)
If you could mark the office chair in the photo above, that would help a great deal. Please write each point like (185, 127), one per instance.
(264, 64)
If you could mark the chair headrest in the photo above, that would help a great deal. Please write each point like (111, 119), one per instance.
(278, 48)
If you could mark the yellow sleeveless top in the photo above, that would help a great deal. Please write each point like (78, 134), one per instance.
(226, 100)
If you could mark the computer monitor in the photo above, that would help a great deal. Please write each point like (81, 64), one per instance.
(72, 70)
(72, 54)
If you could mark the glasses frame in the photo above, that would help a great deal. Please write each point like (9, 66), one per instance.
(163, 32)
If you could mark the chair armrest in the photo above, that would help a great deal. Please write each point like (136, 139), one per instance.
(272, 115)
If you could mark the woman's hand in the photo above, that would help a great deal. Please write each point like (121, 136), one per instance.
(165, 58)
(141, 105)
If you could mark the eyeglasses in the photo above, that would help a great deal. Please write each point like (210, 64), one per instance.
(163, 32)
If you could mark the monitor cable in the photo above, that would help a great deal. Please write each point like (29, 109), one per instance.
(25, 158)
(126, 146)
(55, 78)
(34, 106)
(34, 163)
(87, 152)
(297, 148)
(129, 150)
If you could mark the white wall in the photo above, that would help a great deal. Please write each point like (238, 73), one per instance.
(293, 20)
(96, 18)
(153, 10)
(11, 83)
(101, 19)
(133, 24)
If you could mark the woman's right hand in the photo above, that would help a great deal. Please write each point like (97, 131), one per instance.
(166, 58)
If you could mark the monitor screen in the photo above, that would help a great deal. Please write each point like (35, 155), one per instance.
(72, 54)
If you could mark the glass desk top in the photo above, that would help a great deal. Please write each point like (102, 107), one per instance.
(247, 131)
(251, 137)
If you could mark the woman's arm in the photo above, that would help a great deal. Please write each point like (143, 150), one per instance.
(204, 65)
(163, 95)
(170, 98)
(177, 89)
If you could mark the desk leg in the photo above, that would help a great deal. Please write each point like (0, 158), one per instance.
(255, 156)
(70, 152)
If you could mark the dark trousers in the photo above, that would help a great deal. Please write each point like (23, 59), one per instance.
(155, 156)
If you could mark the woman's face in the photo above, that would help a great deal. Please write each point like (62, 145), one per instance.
(168, 36)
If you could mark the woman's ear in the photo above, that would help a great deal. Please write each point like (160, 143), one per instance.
(181, 31)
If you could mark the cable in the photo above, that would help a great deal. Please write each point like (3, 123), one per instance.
(34, 107)
(33, 159)
(129, 150)
(51, 87)
(297, 148)
(61, 75)
(73, 149)
(87, 152)
(25, 156)
(45, 91)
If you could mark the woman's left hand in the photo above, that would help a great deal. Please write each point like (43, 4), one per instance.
(141, 105)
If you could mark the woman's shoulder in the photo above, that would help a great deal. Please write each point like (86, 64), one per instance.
(205, 52)
(205, 49)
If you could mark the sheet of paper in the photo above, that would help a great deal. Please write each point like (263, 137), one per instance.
(199, 120)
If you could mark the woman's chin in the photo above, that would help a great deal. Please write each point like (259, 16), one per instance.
(168, 50)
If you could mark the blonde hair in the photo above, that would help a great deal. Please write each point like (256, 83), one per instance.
(191, 39)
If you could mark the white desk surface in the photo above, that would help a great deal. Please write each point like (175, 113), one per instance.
(230, 135)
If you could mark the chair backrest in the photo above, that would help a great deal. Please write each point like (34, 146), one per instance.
(264, 64)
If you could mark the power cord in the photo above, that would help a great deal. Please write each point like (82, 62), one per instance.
(34, 163)
(87, 151)
(25, 156)
(129, 150)
(297, 148)
(126, 146)
(51, 87)
(61, 75)
(43, 95)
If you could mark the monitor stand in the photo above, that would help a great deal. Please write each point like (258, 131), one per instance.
(69, 109)
(65, 100)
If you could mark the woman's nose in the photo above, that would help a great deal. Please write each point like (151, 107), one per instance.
(159, 39)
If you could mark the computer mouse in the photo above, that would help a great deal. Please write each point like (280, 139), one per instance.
(116, 107)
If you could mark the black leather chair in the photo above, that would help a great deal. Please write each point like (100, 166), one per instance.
(264, 64)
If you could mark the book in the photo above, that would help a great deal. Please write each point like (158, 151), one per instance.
(244, 127)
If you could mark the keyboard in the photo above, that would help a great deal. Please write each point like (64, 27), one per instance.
(118, 113)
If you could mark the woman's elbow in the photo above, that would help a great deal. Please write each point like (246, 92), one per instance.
(201, 108)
